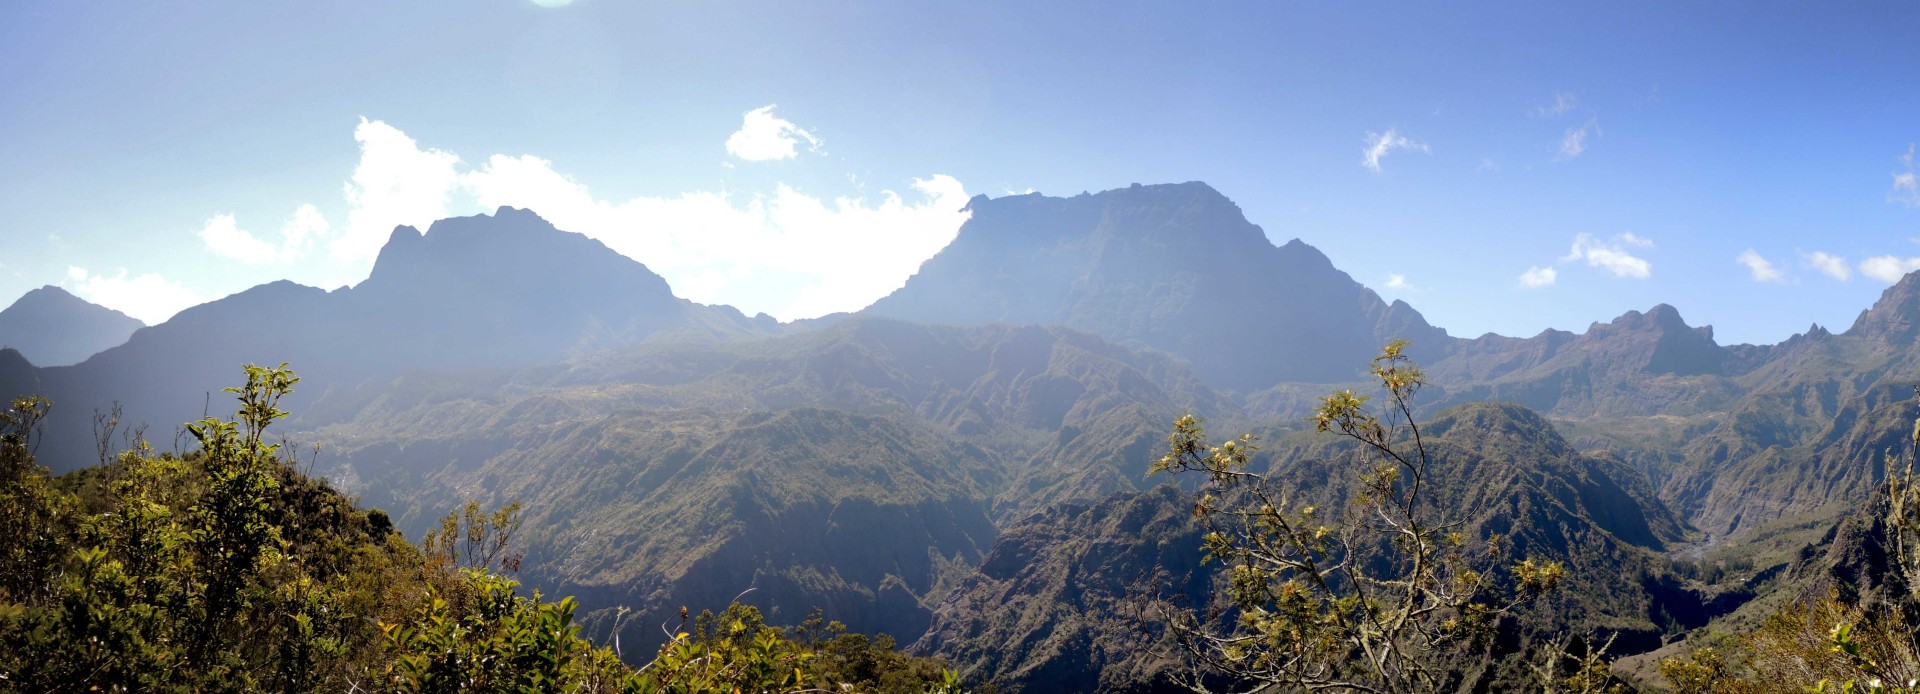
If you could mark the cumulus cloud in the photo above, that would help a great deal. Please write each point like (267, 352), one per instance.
(1613, 255)
(1830, 265)
(1536, 277)
(148, 297)
(1398, 282)
(829, 255)
(765, 137)
(1574, 143)
(1379, 145)
(222, 235)
(1906, 185)
(1888, 268)
(1563, 102)
(784, 251)
(396, 183)
(1761, 269)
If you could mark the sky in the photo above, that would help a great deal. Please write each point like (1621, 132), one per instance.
(1503, 167)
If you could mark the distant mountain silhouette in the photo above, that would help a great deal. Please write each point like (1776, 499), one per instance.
(1636, 364)
(499, 290)
(1172, 267)
(51, 327)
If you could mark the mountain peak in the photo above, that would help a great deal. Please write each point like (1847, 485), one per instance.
(1143, 265)
(52, 327)
(1895, 318)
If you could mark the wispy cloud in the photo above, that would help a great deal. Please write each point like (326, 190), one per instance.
(1398, 282)
(1613, 255)
(1536, 277)
(1829, 264)
(1906, 184)
(1888, 268)
(1563, 103)
(766, 137)
(1379, 145)
(1574, 143)
(1761, 269)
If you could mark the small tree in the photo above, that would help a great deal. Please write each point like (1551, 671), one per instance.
(471, 538)
(1389, 601)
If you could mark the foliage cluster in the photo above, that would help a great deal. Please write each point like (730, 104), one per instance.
(1390, 599)
(226, 569)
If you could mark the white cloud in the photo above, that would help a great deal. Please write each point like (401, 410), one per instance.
(1759, 267)
(1379, 145)
(396, 183)
(1536, 277)
(1613, 257)
(764, 137)
(1575, 142)
(1906, 185)
(784, 252)
(827, 255)
(1562, 103)
(1398, 282)
(148, 297)
(1888, 268)
(222, 235)
(1830, 265)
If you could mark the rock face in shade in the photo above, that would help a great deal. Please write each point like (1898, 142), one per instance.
(482, 292)
(1172, 267)
(51, 327)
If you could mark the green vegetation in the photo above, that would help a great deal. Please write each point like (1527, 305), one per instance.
(1393, 600)
(1842, 636)
(226, 569)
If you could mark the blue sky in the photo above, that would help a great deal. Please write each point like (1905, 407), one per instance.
(157, 155)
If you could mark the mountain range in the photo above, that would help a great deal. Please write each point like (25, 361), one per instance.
(962, 464)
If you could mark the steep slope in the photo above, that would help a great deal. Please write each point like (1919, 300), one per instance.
(856, 468)
(1052, 605)
(1806, 441)
(1056, 606)
(498, 290)
(51, 327)
(1172, 267)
